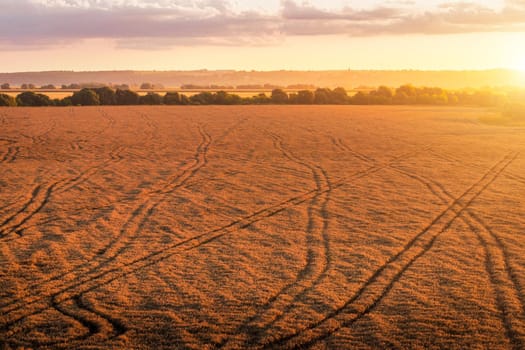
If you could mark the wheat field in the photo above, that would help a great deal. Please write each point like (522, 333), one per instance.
(261, 227)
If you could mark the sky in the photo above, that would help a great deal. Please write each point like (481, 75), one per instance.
(38, 35)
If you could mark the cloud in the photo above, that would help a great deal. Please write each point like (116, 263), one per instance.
(26, 22)
(447, 18)
(156, 24)
(292, 11)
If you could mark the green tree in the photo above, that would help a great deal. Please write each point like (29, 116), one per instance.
(151, 98)
(106, 96)
(339, 96)
(279, 96)
(382, 96)
(5, 86)
(66, 101)
(407, 89)
(127, 97)
(184, 100)
(292, 98)
(224, 98)
(203, 98)
(172, 98)
(260, 99)
(85, 97)
(7, 101)
(322, 96)
(361, 98)
(305, 97)
(30, 99)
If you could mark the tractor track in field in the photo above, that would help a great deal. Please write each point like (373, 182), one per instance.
(13, 150)
(496, 257)
(516, 178)
(256, 332)
(341, 145)
(10, 155)
(172, 183)
(42, 193)
(386, 276)
(17, 314)
(497, 263)
(137, 219)
(318, 254)
(38, 199)
(508, 290)
(72, 294)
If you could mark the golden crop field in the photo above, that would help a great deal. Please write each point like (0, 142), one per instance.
(261, 227)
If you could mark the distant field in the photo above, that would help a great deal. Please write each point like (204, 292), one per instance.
(52, 94)
(58, 93)
(261, 227)
(65, 93)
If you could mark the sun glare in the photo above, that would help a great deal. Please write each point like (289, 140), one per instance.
(521, 73)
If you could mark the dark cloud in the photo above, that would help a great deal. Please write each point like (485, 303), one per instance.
(163, 23)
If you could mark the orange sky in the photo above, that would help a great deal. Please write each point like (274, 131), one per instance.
(271, 35)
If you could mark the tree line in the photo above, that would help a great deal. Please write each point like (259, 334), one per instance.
(403, 95)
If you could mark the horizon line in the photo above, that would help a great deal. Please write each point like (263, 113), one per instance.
(271, 70)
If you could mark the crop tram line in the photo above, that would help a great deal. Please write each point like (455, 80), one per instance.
(13, 149)
(383, 279)
(108, 117)
(106, 274)
(168, 188)
(339, 144)
(506, 307)
(516, 178)
(317, 249)
(496, 258)
(134, 224)
(11, 154)
(188, 244)
(11, 204)
(41, 194)
(497, 264)
(117, 325)
(154, 129)
(142, 212)
(249, 329)
(41, 138)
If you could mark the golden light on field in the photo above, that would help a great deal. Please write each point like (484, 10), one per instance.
(521, 72)
(326, 227)
(279, 174)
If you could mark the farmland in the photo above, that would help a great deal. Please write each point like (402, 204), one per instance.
(261, 227)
